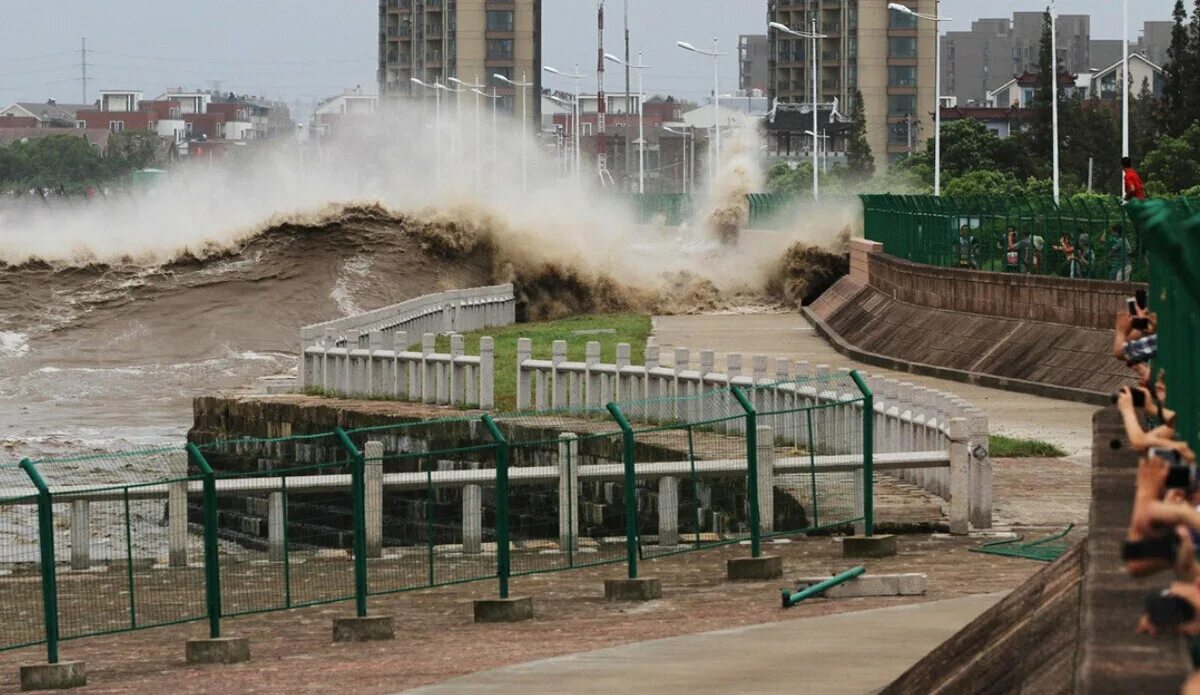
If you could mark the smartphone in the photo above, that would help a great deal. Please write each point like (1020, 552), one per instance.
(1140, 323)
(1139, 398)
(1181, 476)
(1132, 303)
(1140, 296)
(1169, 455)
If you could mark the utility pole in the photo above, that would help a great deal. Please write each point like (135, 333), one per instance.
(83, 66)
(628, 106)
(601, 100)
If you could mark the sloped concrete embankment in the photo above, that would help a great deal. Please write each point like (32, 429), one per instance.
(1069, 628)
(984, 328)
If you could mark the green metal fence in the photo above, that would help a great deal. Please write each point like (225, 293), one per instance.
(764, 210)
(107, 543)
(1083, 237)
(1172, 233)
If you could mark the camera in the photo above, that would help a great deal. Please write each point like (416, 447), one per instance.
(1132, 305)
(1140, 323)
(1139, 397)
(1180, 475)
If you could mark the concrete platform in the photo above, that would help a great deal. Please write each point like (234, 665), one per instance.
(774, 658)
(504, 610)
(868, 546)
(640, 589)
(754, 568)
(367, 629)
(221, 650)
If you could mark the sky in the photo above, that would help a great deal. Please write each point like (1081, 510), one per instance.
(302, 51)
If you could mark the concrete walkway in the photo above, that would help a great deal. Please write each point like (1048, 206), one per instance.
(834, 655)
(789, 335)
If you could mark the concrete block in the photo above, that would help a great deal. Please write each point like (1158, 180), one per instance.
(869, 546)
(504, 610)
(368, 629)
(222, 650)
(870, 585)
(912, 584)
(754, 568)
(640, 589)
(60, 676)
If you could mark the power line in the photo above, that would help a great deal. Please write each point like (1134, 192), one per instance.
(205, 61)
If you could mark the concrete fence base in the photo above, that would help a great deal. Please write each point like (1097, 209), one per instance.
(504, 610)
(371, 628)
(219, 650)
(60, 676)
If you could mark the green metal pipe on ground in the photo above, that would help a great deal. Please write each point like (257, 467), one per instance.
(790, 599)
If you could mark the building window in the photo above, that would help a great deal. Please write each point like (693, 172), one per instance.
(116, 126)
(81, 124)
(500, 49)
(902, 76)
(898, 133)
(903, 47)
(500, 20)
(901, 20)
(902, 104)
(586, 128)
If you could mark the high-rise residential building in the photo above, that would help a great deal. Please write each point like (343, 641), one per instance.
(976, 61)
(886, 55)
(471, 40)
(1074, 41)
(1154, 41)
(754, 53)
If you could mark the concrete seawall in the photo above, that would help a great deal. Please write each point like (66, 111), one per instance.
(1037, 335)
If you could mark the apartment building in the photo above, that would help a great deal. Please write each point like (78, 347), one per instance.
(754, 55)
(471, 40)
(886, 55)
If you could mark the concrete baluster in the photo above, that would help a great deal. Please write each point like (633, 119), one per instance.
(458, 391)
(568, 492)
(487, 373)
(429, 381)
(624, 357)
(766, 478)
(653, 383)
(472, 517)
(558, 378)
(679, 387)
(668, 511)
(373, 497)
(959, 476)
(276, 527)
(981, 470)
(592, 398)
(524, 382)
(81, 535)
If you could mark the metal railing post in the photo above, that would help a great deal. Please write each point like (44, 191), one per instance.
(503, 558)
(751, 470)
(868, 452)
(45, 507)
(212, 566)
(631, 546)
(358, 493)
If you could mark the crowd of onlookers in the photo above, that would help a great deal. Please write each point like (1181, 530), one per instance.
(1164, 528)
(1075, 257)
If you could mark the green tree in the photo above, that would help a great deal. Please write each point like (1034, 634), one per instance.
(1175, 88)
(133, 149)
(1039, 137)
(858, 153)
(1143, 111)
(58, 161)
(982, 182)
(1175, 164)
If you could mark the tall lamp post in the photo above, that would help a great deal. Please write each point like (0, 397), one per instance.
(474, 88)
(813, 36)
(437, 127)
(495, 102)
(937, 87)
(687, 171)
(1124, 78)
(1054, 90)
(568, 135)
(523, 85)
(640, 67)
(454, 132)
(578, 131)
(716, 54)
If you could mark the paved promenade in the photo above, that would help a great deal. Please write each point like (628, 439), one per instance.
(844, 654)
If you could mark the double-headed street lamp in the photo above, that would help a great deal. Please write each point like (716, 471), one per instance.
(937, 72)
(578, 131)
(716, 54)
(523, 85)
(495, 104)
(437, 127)
(813, 36)
(474, 88)
(641, 129)
(689, 184)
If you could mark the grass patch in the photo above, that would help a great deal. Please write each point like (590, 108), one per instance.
(626, 328)
(1011, 448)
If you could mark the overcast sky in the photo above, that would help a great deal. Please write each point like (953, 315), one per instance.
(304, 50)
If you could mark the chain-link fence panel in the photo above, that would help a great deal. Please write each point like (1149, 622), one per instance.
(285, 521)
(122, 541)
(431, 507)
(810, 453)
(22, 621)
(566, 490)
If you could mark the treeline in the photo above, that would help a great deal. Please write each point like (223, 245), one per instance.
(70, 164)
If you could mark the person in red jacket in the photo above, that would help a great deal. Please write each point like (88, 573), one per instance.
(1133, 182)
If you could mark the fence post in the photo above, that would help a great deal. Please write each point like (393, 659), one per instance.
(959, 475)
(45, 507)
(487, 373)
(503, 568)
(568, 491)
(981, 470)
(751, 470)
(868, 453)
(631, 547)
(373, 497)
(524, 385)
(212, 566)
(358, 495)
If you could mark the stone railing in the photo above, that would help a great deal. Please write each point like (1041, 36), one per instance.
(453, 311)
(427, 376)
(908, 418)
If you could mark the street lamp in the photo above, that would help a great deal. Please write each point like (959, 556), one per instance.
(522, 85)
(495, 103)
(823, 147)
(474, 88)
(454, 132)
(568, 139)
(937, 88)
(813, 35)
(716, 55)
(1124, 79)
(437, 128)
(688, 173)
(578, 131)
(640, 67)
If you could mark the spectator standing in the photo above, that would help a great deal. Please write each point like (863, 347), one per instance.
(1133, 182)
(1012, 252)
(1120, 266)
(967, 249)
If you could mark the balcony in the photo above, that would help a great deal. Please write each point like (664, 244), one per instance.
(831, 85)
(831, 56)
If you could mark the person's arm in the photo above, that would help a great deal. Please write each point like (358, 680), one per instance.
(1121, 334)
(1133, 427)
